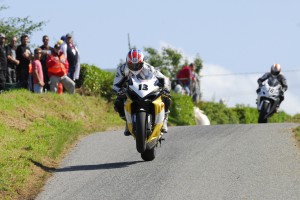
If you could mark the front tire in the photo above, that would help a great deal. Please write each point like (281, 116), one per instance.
(263, 113)
(149, 155)
(140, 132)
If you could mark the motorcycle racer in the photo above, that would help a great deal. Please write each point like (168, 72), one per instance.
(275, 72)
(135, 65)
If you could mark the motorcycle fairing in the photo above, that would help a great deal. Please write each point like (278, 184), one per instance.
(159, 110)
(269, 92)
(127, 110)
(137, 85)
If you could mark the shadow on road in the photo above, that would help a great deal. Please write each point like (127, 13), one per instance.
(85, 167)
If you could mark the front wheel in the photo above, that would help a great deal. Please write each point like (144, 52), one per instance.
(263, 112)
(149, 155)
(140, 134)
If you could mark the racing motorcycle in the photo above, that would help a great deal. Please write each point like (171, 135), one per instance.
(268, 99)
(145, 113)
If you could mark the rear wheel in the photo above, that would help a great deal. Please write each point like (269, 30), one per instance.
(140, 132)
(263, 112)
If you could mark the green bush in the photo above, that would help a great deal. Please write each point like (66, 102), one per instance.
(246, 114)
(295, 118)
(280, 117)
(94, 81)
(218, 113)
(182, 110)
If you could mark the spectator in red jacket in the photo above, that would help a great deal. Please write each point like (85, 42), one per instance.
(185, 76)
(57, 66)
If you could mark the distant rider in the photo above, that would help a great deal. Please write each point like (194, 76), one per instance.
(135, 65)
(274, 73)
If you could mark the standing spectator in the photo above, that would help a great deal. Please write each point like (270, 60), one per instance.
(72, 55)
(63, 44)
(195, 85)
(37, 71)
(57, 66)
(3, 62)
(195, 76)
(24, 55)
(184, 77)
(77, 66)
(46, 50)
(12, 61)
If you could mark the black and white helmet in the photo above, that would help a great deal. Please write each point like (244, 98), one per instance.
(275, 69)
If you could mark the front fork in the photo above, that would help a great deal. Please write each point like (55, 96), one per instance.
(153, 130)
(149, 124)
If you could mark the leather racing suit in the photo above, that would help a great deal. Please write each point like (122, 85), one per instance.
(120, 83)
(281, 79)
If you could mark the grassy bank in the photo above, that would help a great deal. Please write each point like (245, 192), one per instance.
(296, 119)
(297, 132)
(36, 131)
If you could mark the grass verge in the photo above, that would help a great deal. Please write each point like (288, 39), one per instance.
(297, 132)
(37, 130)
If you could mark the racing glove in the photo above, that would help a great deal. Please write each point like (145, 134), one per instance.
(258, 90)
(281, 93)
(166, 92)
(121, 92)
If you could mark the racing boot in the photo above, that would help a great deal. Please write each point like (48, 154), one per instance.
(164, 128)
(127, 132)
(276, 109)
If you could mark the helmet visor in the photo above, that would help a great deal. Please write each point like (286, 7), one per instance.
(275, 73)
(135, 66)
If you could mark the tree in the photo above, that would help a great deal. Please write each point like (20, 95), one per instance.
(170, 60)
(153, 57)
(198, 63)
(17, 26)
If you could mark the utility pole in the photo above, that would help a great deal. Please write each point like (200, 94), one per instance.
(129, 46)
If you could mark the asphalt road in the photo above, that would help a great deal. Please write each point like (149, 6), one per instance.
(258, 161)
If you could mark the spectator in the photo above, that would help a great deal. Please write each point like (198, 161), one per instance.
(3, 62)
(71, 52)
(37, 71)
(195, 76)
(62, 43)
(46, 50)
(57, 71)
(195, 85)
(12, 61)
(30, 81)
(24, 55)
(184, 77)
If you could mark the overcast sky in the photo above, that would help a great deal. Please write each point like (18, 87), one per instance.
(234, 37)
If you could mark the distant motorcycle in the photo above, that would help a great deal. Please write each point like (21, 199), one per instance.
(268, 99)
(145, 113)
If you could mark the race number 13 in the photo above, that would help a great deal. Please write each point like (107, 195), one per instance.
(143, 87)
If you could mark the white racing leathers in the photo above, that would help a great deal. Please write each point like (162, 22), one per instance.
(120, 82)
(123, 72)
